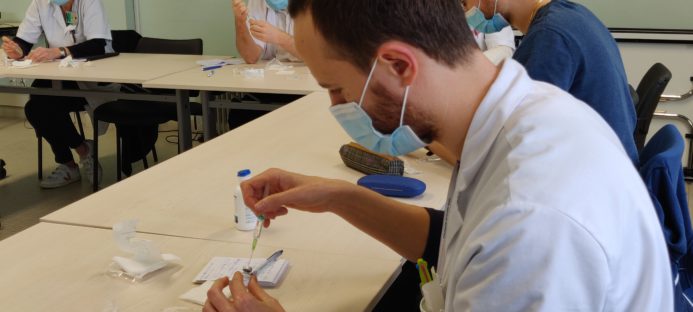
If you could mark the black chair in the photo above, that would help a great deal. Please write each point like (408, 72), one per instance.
(3, 172)
(131, 113)
(125, 41)
(649, 91)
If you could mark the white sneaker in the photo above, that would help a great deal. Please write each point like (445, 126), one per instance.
(88, 164)
(61, 176)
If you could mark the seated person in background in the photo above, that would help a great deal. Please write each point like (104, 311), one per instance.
(496, 46)
(264, 31)
(71, 28)
(539, 216)
(567, 46)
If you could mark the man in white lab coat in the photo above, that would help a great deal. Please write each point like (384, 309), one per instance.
(540, 217)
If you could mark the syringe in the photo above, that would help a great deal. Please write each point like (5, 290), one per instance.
(256, 234)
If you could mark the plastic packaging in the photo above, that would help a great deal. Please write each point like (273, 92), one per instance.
(244, 217)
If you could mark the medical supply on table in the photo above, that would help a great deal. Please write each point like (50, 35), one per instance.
(146, 257)
(23, 64)
(273, 258)
(363, 160)
(256, 233)
(244, 217)
(270, 276)
(253, 73)
(269, 271)
(210, 69)
(394, 186)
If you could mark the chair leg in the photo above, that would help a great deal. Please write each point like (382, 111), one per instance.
(79, 124)
(95, 157)
(144, 158)
(154, 155)
(119, 156)
(40, 157)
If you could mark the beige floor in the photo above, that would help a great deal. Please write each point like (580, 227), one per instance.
(22, 201)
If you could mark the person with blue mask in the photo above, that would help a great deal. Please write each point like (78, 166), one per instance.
(76, 28)
(264, 30)
(538, 217)
(569, 47)
(498, 45)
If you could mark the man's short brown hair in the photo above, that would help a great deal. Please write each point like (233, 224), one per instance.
(356, 28)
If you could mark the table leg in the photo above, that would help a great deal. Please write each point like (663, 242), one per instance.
(208, 117)
(184, 129)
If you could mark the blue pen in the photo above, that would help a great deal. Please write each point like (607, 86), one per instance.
(212, 67)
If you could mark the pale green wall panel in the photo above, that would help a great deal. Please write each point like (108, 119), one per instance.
(13, 11)
(658, 14)
(211, 20)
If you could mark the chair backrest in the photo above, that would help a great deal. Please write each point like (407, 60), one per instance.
(649, 91)
(662, 173)
(169, 46)
(125, 41)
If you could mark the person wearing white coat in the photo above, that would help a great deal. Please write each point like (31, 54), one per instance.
(74, 28)
(540, 216)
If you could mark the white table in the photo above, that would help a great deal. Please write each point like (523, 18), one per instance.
(296, 80)
(52, 267)
(191, 195)
(135, 68)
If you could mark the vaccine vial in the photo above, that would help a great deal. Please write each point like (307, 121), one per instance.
(244, 218)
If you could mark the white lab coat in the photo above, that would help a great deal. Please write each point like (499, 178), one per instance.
(44, 17)
(259, 10)
(547, 212)
(496, 46)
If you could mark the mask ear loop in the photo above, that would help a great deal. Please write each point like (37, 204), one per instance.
(368, 81)
(404, 106)
(495, 8)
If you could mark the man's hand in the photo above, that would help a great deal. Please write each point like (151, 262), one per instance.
(254, 298)
(264, 31)
(286, 189)
(42, 54)
(240, 11)
(11, 48)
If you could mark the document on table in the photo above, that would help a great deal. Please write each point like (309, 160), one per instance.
(270, 276)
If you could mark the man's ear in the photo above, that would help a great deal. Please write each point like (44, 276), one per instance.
(400, 60)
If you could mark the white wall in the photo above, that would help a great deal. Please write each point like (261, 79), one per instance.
(13, 11)
(211, 20)
(678, 58)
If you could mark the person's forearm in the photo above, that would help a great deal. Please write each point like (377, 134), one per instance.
(250, 52)
(24, 45)
(402, 227)
(287, 43)
(88, 48)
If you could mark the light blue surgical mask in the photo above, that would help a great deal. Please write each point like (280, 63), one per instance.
(477, 20)
(359, 126)
(60, 2)
(278, 5)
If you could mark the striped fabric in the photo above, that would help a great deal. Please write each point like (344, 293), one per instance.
(359, 158)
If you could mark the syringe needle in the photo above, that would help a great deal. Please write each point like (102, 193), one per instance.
(258, 230)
